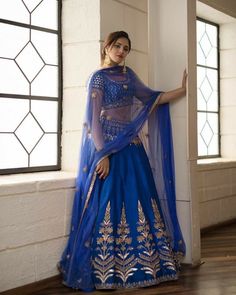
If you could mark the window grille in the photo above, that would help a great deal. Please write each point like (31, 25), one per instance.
(208, 99)
(30, 85)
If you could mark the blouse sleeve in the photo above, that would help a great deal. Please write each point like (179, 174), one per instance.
(96, 96)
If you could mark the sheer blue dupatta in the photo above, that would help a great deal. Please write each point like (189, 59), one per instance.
(75, 264)
(161, 156)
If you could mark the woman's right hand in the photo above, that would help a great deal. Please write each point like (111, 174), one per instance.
(103, 168)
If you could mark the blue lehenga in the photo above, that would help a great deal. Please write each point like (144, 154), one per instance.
(124, 229)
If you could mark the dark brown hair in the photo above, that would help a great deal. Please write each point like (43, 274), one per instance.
(111, 40)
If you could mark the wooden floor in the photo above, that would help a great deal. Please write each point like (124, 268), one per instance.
(216, 276)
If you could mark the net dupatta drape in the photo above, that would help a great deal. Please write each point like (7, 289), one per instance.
(117, 101)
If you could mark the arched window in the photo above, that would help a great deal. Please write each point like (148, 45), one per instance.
(30, 85)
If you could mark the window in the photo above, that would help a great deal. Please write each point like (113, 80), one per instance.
(208, 89)
(30, 85)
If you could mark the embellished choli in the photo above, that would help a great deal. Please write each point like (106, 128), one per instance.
(115, 103)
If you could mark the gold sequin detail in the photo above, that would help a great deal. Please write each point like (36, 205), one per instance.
(165, 251)
(158, 223)
(104, 262)
(125, 262)
(149, 257)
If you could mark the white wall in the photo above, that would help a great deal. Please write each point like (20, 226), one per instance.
(228, 7)
(228, 89)
(217, 193)
(130, 16)
(172, 49)
(216, 177)
(81, 56)
(35, 210)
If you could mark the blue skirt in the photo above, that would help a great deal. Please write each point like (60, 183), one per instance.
(130, 247)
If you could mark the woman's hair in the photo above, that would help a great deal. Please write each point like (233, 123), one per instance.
(111, 40)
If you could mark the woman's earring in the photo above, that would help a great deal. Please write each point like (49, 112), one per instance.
(124, 68)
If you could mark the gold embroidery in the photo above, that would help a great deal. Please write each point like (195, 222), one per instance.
(124, 261)
(149, 257)
(105, 264)
(115, 256)
(158, 223)
(104, 261)
(165, 250)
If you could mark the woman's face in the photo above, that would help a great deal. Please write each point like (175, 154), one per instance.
(118, 51)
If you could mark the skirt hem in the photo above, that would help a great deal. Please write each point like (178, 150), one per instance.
(140, 284)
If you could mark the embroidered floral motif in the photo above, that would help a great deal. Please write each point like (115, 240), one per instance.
(104, 261)
(125, 262)
(166, 253)
(106, 264)
(148, 257)
(158, 223)
(115, 256)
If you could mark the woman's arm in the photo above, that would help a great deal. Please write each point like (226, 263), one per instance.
(176, 93)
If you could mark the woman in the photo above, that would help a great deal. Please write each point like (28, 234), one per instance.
(124, 228)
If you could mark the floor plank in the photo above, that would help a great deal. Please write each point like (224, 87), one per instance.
(216, 276)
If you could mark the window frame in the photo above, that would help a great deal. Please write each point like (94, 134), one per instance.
(218, 88)
(33, 97)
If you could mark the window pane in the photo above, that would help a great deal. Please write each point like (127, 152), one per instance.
(46, 113)
(46, 45)
(207, 44)
(14, 10)
(202, 148)
(208, 133)
(46, 83)
(31, 4)
(201, 102)
(45, 14)
(29, 132)
(12, 112)
(212, 103)
(45, 152)
(15, 38)
(29, 61)
(12, 154)
(207, 82)
(9, 72)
